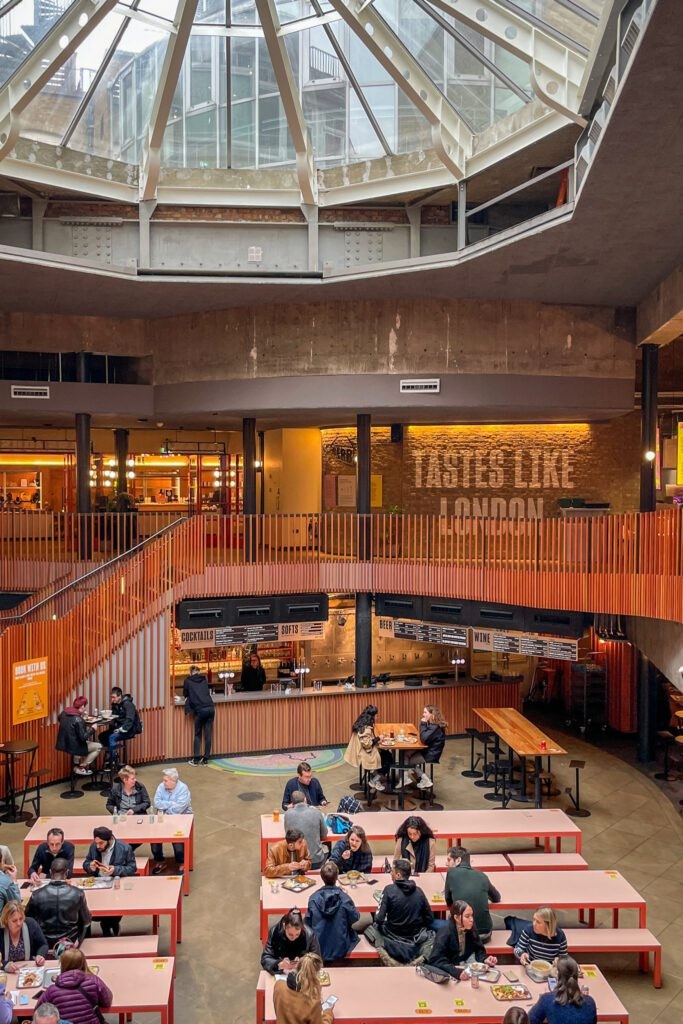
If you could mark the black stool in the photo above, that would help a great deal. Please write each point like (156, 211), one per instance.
(502, 771)
(33, 788)
(72, 793)
(576, 811)
(666, 740)
(473, 773)
(430, 804)
(489, 740)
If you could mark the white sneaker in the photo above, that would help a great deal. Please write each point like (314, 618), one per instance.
(400, 783)
(375, 784)
(425, 783)
(82, 771)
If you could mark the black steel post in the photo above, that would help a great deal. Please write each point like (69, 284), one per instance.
(647, 709)
(83, 462)
(648, 431)
(363, 601)
(249, 487)
(121, 455)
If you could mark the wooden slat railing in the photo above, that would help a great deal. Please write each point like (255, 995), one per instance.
(118, 633)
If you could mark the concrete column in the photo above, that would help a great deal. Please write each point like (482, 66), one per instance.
(648, 430)
(363, 601)
(647, 709)
(121, 454)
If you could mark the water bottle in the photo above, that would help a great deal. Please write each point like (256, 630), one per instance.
(151, 815)
(117, 882)
(115, 818)
(387, 866)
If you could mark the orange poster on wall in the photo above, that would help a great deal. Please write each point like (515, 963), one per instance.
(29, 690)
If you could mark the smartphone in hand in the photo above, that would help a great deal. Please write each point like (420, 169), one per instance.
(329, 1002)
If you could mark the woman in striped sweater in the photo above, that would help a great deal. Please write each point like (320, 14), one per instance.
(542, 939)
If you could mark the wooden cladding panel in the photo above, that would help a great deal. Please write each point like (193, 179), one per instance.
(245, 726)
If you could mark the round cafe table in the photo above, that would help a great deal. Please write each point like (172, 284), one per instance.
(11, 751)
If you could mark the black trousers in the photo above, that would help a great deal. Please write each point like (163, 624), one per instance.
(203, 723)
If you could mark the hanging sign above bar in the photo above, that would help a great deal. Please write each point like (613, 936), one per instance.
(530, 645)
(229, 636)
(425, 632)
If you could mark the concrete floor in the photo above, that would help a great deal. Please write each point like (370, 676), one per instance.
(633, 828)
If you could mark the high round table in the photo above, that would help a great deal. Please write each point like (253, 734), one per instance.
(11, 751)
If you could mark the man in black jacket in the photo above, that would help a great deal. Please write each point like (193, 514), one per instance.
(463, 882)
(59, 908)
(75, 738)
(404, 918)
(108, 856)
(125, 724)
(46, 854)
(199, 702)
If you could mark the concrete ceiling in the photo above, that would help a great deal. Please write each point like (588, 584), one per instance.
(624, 235)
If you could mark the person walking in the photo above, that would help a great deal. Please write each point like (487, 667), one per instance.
(199, 702)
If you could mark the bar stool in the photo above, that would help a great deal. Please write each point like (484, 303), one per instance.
(472, 773)
(666, 741)
(31, 793)
(490, 740)
(430, 804)
(501, 773)
(72, 793)
(11, 751)
(576, 811)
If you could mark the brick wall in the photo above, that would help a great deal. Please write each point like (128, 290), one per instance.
(500, 470)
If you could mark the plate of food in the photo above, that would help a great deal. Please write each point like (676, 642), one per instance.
(352, 878)
(49, 975)
(509, 993)
(93, 883)
(298, 883)
(30, 977)
(477, 968)
(377, 895)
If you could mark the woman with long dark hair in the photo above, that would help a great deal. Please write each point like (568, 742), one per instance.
(353, 853)
(363, 750)
(458, 944)
(415, 843)
(567, 1004)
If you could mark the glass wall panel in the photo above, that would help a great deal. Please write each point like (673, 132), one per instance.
(24, 27)
(243, 12)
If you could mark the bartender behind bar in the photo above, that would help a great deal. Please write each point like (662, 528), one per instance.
(253, 674)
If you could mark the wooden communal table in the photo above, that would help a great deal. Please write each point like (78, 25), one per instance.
(131, 828)
(525, 739)
(455, 826)
(140, 896)
(142, 985)
(398, 995)
(412, 742)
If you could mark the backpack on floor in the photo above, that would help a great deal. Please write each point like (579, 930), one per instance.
(349, 805)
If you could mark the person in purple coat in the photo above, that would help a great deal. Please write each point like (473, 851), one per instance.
(79, 996)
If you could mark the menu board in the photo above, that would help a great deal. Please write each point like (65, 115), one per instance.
(424, 632)
(262, 632)
(531, 645)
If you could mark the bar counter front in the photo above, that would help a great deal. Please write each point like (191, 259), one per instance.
(250, 723)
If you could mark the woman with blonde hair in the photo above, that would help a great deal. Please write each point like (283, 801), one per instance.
(21, 939)
(297, 1000)
(542, 939)
(433, 728)
(79, 995)
(9, 890)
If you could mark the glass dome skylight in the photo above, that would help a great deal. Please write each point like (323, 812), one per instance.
(150, 92)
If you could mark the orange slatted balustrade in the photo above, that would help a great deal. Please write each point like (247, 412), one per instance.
(118, 631)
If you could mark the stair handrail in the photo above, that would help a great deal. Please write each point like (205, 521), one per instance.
(14, 619)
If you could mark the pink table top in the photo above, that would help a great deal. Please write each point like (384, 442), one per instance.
(395, 993)
(549, 821)
(78, 828)
(141, 894)
(362, 896)
(566, 889)
(142, 984)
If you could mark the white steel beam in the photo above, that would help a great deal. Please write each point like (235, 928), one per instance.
(556, 69)
(44, 60)
(452, 138)
(150, 161)
(291, 102)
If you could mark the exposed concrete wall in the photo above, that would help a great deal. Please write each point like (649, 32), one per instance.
(428, 336)
(661, 642)
(660, 314)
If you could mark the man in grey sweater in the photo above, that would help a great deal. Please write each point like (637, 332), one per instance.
(310, 821)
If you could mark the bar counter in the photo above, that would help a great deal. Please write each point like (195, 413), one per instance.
(249, 723)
